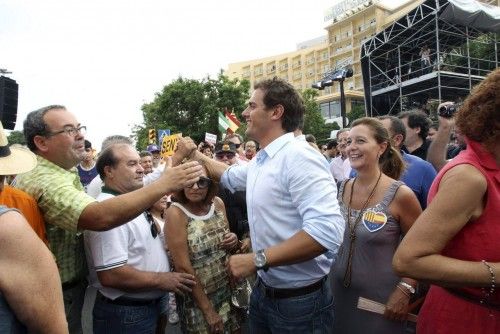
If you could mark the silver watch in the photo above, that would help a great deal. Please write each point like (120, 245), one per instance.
(260, 260)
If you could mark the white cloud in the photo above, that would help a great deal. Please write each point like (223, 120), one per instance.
(104, 58)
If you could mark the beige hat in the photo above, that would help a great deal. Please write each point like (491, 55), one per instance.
(14, 160)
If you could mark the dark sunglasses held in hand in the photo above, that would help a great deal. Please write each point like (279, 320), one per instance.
(154, 227)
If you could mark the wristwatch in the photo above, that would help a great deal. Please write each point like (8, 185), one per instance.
(408, 287)
(260, 260)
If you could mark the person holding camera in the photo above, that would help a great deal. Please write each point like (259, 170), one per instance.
(454, 242)
(439, 151)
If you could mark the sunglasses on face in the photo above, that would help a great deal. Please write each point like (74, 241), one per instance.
(202, 183)
(222, 155)
(151, 221)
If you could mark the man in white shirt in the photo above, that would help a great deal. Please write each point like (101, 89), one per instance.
(128, 264)
(295, 223)
(340, 166)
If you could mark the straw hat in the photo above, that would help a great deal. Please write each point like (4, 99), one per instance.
(14, 160)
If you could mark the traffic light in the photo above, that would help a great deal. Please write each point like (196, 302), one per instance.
(152, 136)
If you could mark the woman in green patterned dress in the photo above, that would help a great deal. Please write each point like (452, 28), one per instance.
(199, 241)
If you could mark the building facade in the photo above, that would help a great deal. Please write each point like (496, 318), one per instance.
(350, 23)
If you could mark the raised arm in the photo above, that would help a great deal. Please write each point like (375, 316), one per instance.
(99, 216)
(187, 148)
(436, 154)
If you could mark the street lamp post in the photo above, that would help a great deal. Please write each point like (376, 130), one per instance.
(338, 75)
(342, 104)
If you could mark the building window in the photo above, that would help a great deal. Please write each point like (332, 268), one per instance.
(330, 109)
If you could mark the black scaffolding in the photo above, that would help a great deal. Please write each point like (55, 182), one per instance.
(397, 77)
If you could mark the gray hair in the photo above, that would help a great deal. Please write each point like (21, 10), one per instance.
(34, 125)
(341, 131)
(115, 139)
(143, 154)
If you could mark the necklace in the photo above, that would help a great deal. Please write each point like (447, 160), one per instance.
(352, 228)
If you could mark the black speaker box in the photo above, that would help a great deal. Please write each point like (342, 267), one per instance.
(8, 102)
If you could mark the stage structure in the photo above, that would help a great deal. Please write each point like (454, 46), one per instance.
(436, 52)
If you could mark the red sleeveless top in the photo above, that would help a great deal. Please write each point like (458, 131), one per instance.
(444, 312)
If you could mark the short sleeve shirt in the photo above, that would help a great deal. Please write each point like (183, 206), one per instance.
(129, 244)
(61, 198)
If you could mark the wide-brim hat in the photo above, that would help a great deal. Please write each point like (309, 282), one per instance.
(14, 159)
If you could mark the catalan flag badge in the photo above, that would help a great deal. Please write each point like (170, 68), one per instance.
(374, 220)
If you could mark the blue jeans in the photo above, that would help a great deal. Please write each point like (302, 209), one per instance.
(73, 305)
(8, 321)
(110, 318)
(309, 313)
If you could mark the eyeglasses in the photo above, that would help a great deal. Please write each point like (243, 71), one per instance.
(70, 130)
(237, 145)
(151, 221)
(202, 183)
(228, 155)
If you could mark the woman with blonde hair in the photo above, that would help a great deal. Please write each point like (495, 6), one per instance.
(378, 211)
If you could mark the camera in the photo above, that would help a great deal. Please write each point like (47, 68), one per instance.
(447, 111)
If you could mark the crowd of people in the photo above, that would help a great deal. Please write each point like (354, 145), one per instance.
(388, 214)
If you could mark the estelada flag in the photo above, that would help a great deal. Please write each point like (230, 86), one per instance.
(234, 123)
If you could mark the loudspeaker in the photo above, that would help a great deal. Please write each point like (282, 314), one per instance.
(8, 102)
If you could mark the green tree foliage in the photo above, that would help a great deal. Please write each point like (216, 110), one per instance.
(16, 137)
(314, 123)
(481, 56)
(191, 107)
(357, 111)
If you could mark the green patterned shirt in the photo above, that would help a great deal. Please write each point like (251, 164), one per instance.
(61, 199)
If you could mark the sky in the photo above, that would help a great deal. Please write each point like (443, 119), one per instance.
(103, 59)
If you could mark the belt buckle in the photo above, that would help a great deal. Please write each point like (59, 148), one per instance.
(271, 292)
(268, 292)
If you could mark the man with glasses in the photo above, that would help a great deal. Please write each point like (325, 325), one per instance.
(340, 167)
(128, 264)
(57, 138)
(250, 149)
(237, 140)
(86, 168)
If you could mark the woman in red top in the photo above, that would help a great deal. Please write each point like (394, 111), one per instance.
(454, 244)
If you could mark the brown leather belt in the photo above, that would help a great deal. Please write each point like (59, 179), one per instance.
(276, 293)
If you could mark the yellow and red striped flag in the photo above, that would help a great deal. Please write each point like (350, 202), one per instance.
(234, 123)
